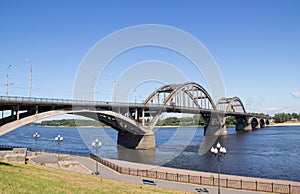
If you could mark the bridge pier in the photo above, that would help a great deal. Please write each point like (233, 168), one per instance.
(138, 142)
(243, 124)
(214, 125)
(258, 126)
(243, 127)
(250, 123)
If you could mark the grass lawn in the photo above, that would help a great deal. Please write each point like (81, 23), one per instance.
(20, 178)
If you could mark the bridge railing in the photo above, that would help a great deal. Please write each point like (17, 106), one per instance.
(202, 180)
(49, 100)
(65, 101)
(18, 99)
(89, 103)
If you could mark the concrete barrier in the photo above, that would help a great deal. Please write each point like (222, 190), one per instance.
(18, 155)
(68, 164)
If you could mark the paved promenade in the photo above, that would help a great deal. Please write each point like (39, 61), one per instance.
(88, 166)
(197, 173)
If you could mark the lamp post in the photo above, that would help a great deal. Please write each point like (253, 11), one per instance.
(30, 78)
(7, 79)
(218, 151)
(58, 139)
(36, 136)
(115, 80)
(96, 145)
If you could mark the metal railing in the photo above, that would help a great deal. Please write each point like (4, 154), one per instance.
(71, 102)
(202, 180)
(90, 103)
(53, 100)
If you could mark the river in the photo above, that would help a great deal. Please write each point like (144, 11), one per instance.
(271, 152)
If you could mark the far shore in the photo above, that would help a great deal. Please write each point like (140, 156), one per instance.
(286, 124)
(70, 126)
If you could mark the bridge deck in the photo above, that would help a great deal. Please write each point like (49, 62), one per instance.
(23, 103)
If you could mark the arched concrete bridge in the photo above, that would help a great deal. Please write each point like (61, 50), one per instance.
(135, 121)
(245, 122)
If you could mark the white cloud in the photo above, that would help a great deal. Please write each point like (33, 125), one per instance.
(272, 109)
(296, 94)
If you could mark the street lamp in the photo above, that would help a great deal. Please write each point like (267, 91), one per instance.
(96, 145)
(36, 136)
(115, 80)
(7, 79)
(218, 151)
(58, 139)
(30, 78)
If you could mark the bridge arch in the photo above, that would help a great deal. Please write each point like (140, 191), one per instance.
(189, 94)
(234, 104)
(113, 119)
(262, 123)
(255, 124)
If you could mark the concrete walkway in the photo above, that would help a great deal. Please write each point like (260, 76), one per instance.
(49, 159)
(108, 173)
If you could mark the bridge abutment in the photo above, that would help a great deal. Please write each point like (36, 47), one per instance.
(138, 142)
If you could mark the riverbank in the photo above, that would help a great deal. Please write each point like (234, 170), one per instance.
(211, 175)
(168, 177)
(286, 124)
(36, 179)
(262, 155)
(49, 160)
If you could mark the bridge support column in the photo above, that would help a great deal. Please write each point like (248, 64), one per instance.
(138, 142)
(263, 123)
(258, 125)
(243, 124)
(17, 112)
(214, 125)
(143, 118)
(223, 127)
(136, 114)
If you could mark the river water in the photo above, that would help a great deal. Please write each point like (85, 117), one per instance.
(271, 152)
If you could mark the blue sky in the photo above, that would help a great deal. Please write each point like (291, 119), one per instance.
(256, 45)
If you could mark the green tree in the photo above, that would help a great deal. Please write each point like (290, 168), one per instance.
(294, 115)
(198, 120)
(230, 120)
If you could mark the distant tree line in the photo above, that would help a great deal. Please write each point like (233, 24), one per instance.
(196, 120)
(183, 121)
(71, 123)
(284, 117)
(262, 115)
(230, 121)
